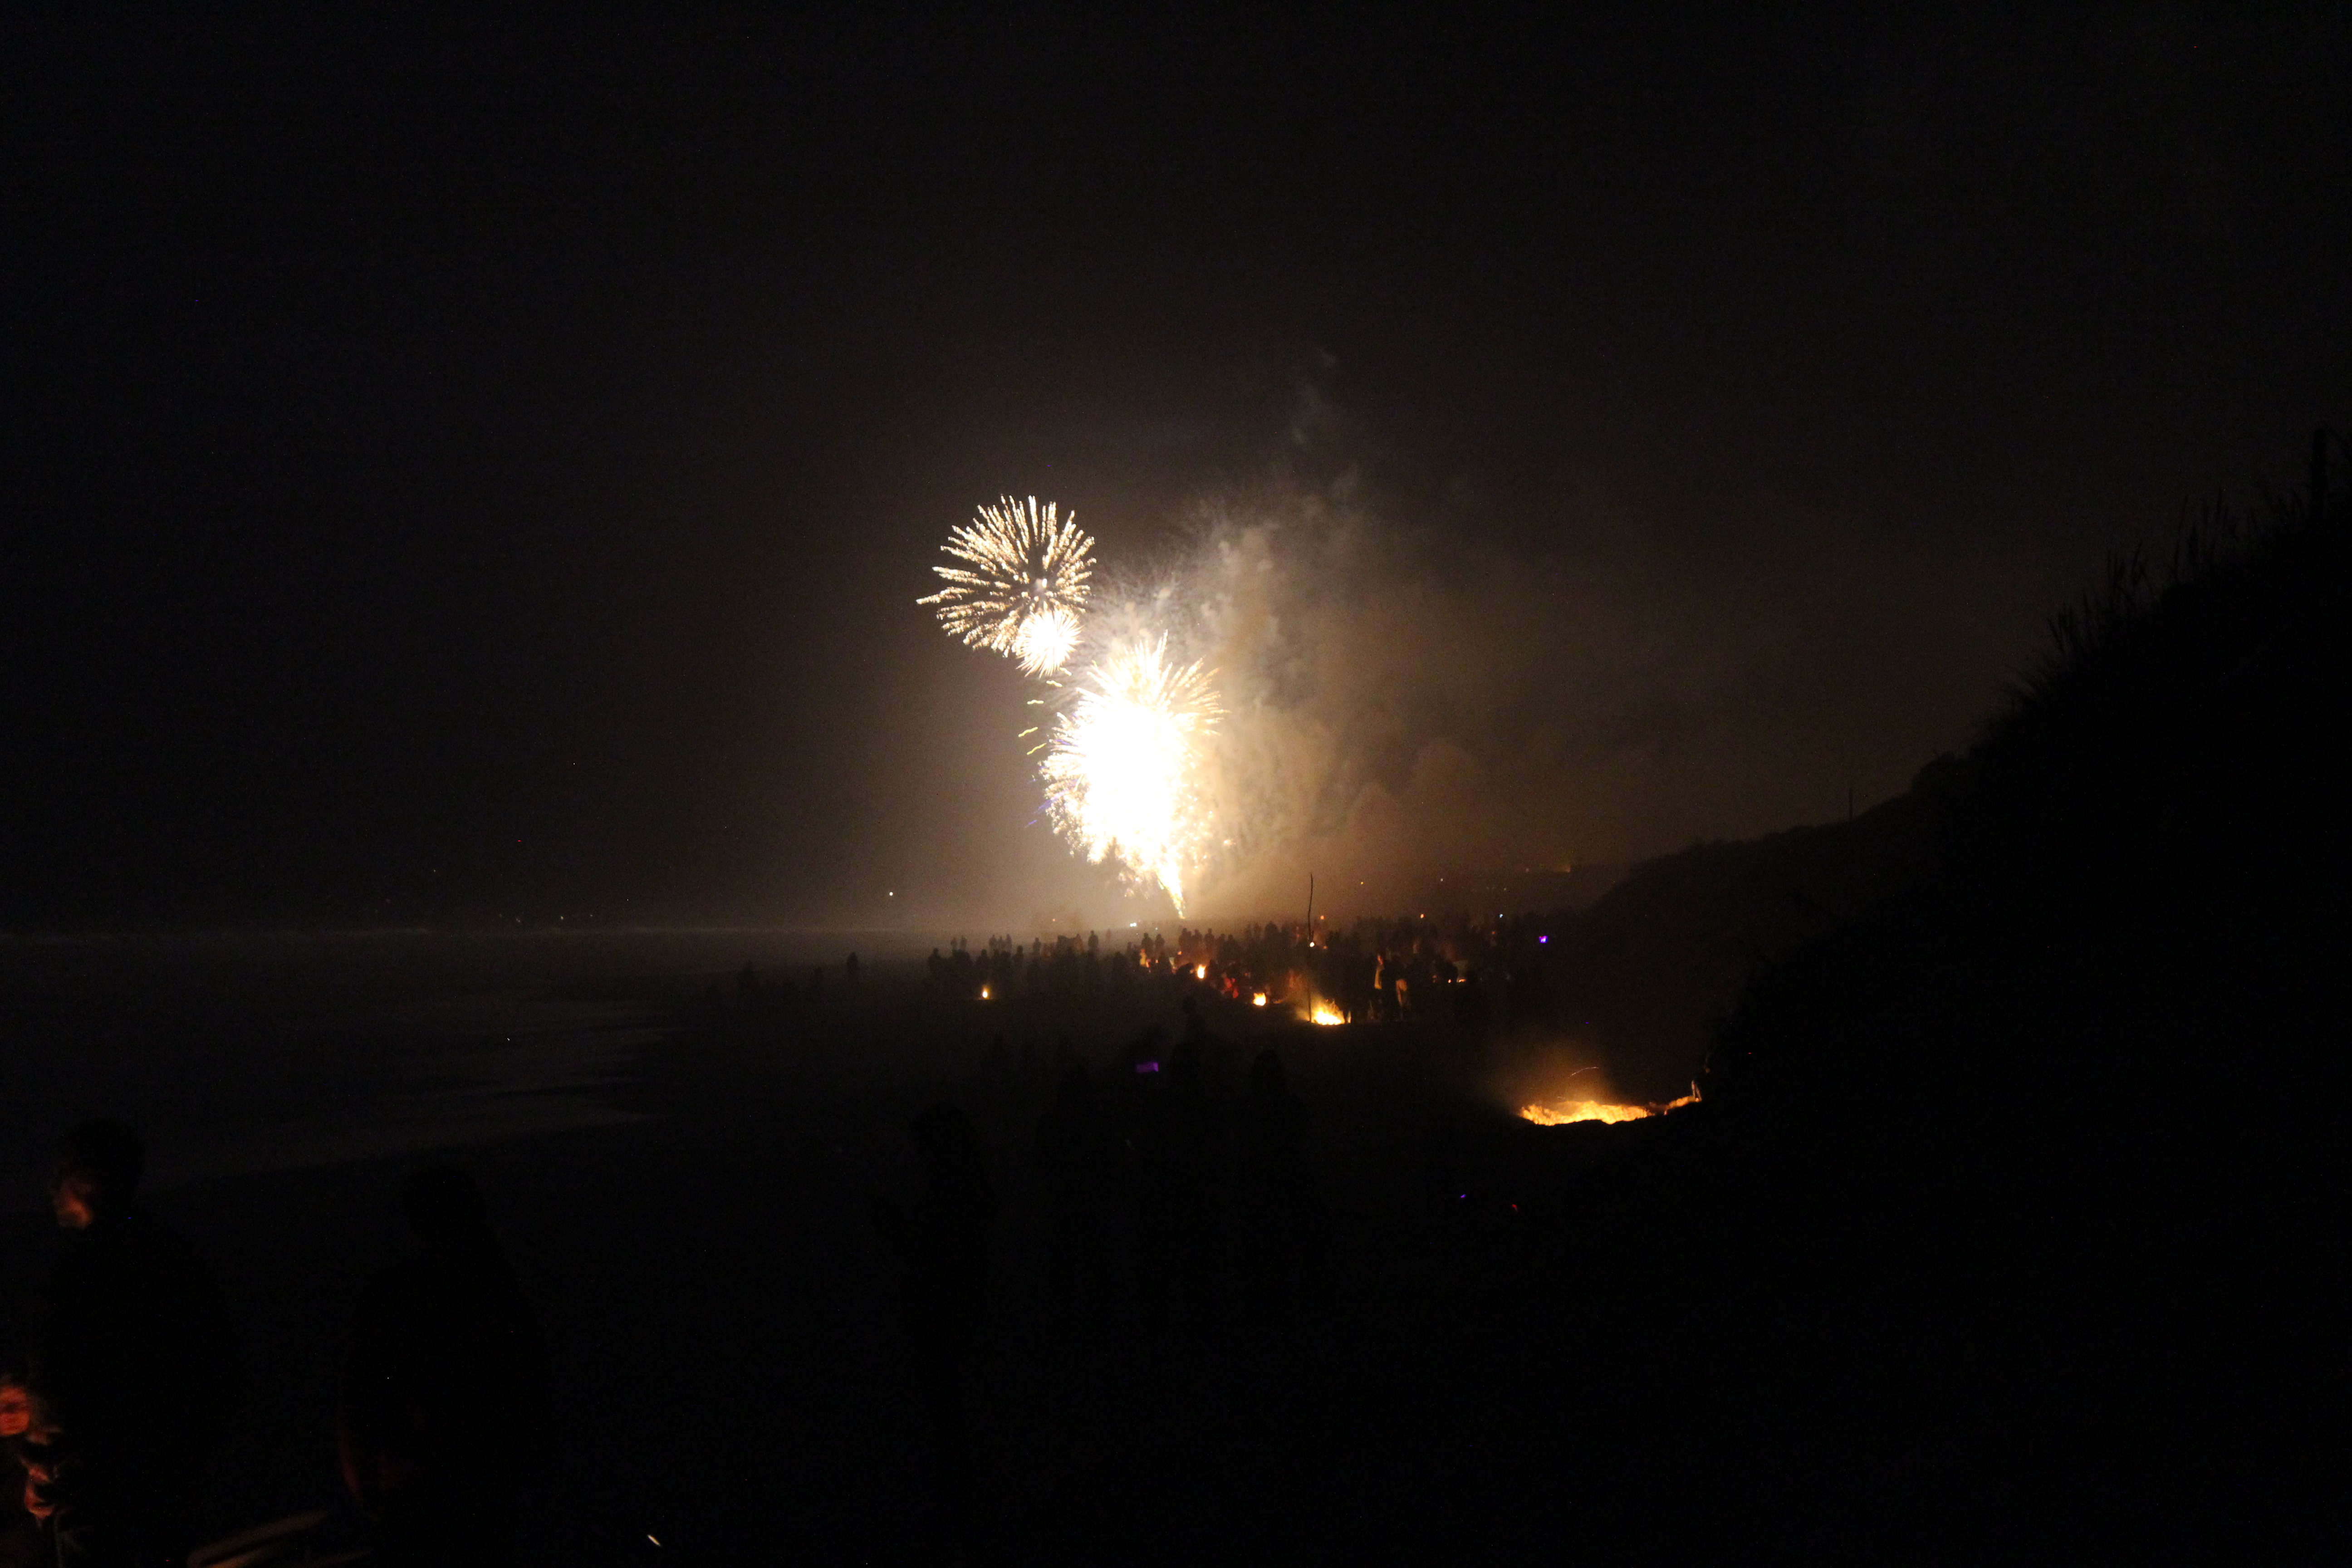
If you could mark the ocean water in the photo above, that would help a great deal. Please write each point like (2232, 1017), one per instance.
(248, 1052)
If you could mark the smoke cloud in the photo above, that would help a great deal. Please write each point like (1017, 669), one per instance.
(1405, 703)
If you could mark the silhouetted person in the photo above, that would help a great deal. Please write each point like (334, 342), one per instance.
(24, 1540)
(1280, 1219)
(444, 1392)
(1174, 1193)
(1072, 1165)
(1196, 1027)
(944, 1242)
(129, 1364)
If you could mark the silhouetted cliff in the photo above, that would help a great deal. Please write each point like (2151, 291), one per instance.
(2017, 1204)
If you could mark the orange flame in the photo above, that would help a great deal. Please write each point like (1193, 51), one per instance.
(1560, 1112)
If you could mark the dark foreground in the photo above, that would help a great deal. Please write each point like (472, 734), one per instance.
(1687, 1339)
(686, 1186)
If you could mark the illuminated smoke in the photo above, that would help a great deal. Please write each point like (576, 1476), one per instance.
(1352, 720)
(1122, 771)
(1021, 587)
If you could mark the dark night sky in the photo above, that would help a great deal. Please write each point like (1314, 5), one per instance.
(469, 466)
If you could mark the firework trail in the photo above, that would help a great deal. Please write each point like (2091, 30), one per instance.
(1023, 586)
(1121, 774)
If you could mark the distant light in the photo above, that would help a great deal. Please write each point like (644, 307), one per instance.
(1541, 939)
(1147, 1066)
(983, 993)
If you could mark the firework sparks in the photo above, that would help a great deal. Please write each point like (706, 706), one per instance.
(1021, 587)
(1121, 773)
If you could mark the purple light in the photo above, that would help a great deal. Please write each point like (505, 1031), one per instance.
(1540, 941)
(1147, 1066)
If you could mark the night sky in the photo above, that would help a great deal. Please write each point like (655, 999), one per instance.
(469, 468)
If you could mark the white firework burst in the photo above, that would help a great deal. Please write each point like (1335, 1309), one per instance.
(1021, 587)
(1121, 774)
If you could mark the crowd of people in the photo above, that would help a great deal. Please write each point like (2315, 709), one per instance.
(1152, 1186)
(110, 1402)
(1153, 1189)
(1371, 970)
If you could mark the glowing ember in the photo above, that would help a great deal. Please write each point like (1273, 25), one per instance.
(1560, 1112)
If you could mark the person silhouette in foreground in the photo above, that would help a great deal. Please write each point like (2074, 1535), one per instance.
(944, 1242)
(24, 1536)
(1072, 1167)
(1281, 1214)
(1175, 1198)
(444, 1391)
(129, 1365)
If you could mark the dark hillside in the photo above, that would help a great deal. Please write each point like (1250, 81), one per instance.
(2015, 1226)
(1657, 964)
(2012, 1228)
(2138, 886)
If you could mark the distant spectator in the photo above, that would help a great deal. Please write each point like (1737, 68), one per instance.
(444, 1392)
(1175, 1219)
(1072, 1165)
(944, 1241)
(1281, 1214)
(129, 1365)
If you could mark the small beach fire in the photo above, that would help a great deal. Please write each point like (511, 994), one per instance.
(1559, 1112)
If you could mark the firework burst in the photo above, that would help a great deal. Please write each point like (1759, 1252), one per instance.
(1021, 585)
(1121, 771)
